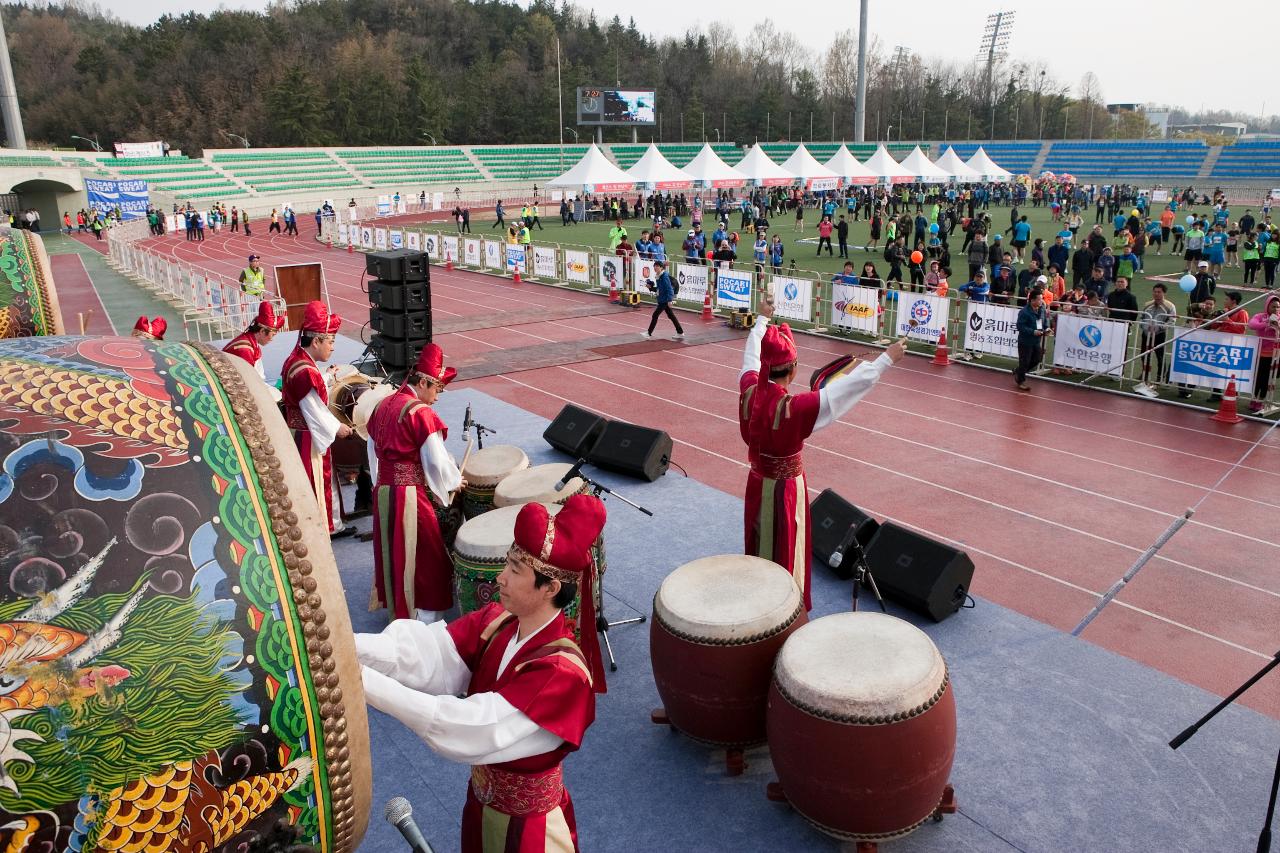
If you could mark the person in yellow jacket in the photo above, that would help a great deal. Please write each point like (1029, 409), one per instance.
(253, 278)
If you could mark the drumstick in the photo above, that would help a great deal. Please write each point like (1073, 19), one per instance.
(465, 456)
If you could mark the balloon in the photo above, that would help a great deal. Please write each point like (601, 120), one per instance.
(1191, 220)
(1187, 283)
(917, 257)
(933, 228)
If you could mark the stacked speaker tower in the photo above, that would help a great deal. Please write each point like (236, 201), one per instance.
(399, 307)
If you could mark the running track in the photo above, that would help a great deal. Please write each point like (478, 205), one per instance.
(1053, 494)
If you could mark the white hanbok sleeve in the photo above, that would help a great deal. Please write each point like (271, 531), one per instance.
(262, 371)
(840, 394)
(320, 421)
(751, 354)
(422, 657)
(442, 474)
(372, 452)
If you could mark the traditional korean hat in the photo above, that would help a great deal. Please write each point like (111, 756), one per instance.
(153, 329)
(431, 362)
(319, 320)
(267, 317)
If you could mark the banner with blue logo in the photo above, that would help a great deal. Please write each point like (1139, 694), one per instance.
(733, 290)
(929, 313)
(1090, 344)
(132, 197)
(515, 260)
(793, 298)
(1211, 359)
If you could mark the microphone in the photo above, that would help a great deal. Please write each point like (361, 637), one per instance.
(400, 815)
(466, 420)
(570, 474)
(837, 556)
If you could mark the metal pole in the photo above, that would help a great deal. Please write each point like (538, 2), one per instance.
(13, 131)
(560, 98)
(860, 99)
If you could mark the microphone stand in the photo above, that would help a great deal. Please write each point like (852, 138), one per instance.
(602, 622)
(862, 574)
(1264, 838)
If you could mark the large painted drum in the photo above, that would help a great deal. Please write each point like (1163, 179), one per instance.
(537, 485)
(28, 298)
(718, 623)
(862, 726)
(177, 670)
(484, 470)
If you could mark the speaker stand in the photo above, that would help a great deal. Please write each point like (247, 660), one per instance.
(862, 574)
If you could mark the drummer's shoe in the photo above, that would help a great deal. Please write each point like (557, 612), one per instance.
(358, 512)
(343, 532)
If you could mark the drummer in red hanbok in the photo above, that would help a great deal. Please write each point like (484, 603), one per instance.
(249, 343)
(415, 483)
(529, 698)
(774, 424)
(149, 329)
(305, 393)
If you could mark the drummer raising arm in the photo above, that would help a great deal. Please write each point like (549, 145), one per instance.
(414, 477)
(529, 693)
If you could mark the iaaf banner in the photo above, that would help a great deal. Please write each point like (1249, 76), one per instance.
(413, 241)
(493, 257)
(577, 266)
(929, 313)
(691, 283)
(380, 239)
(855, 308)
(431, 245)
(792, 298)
(544, 262)
(450, 247)
(609, 268)
(991, 328)
(130, 196)
(1211, 359)
(397, 238)
(733, 289)
(515, 260)
(471, 252)
(1086, 343)
(643, 273)
(139, 149)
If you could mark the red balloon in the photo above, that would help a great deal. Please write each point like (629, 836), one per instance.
(917, 257)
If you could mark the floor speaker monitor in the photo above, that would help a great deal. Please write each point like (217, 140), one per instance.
(834, 519)
(922, 573)
(634, 450)
(575, 431)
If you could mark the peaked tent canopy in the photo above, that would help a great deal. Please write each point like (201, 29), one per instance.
(811, 173)
(844, 164)
(882, 165)
(653, 168)
(986, 167)
(595, 173)
(758, 167)
(711, 171)
(951, 163)
(923, 168)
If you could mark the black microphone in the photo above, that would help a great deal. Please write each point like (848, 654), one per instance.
(400, 815)
(466, 420)
(837, 556)
(570, 474)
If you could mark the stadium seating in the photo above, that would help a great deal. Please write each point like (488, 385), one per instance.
(285, 171)
(1249, 160)
(28, 162)
(527, 162)
(384, 166)
(1017, 157)
(177, 174)
(1124, 158)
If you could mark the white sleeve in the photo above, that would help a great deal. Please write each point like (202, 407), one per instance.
(480, 729)
(422, 657)
(320, 421)
(372, 453)
(262, 371)
(840, 394)
(751, 355)
(443, 475)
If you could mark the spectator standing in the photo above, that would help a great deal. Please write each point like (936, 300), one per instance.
(1206, 285)
(1267, 325)
(1251, 256)
(1121, 303)
(1157, 317)
(1033, 325)
(776, 252)
(666, 295)
(1270, 258)
(842, 236)
(501, 214)
(824, 236)
(1021, 236)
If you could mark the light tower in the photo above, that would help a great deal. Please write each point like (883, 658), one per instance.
(15, 135)
(860, 99)
(995, 47)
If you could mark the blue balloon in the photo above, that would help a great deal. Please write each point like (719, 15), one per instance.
(933, 228)
(1187, 283)
(1191, 220)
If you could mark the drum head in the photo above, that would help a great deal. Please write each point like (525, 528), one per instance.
(365, 405)
(860, 666)
(345, 393)
(489, 466)
(489, 536)
(732, 598)
(536, 485)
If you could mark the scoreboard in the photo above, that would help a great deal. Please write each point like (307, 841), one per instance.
(616, 107)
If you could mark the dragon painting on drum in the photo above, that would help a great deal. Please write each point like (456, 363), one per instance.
(28, 301)
(176, 664)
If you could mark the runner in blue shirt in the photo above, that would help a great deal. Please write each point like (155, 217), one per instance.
(1119, 222)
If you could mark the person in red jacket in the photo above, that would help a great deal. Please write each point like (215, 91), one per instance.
(249, 343)
(149, 330)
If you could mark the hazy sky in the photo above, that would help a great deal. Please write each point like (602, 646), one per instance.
(1175, 41)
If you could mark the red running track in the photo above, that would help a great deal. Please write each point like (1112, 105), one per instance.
(1054, 494)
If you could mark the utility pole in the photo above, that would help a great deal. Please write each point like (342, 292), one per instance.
(860, 98)
(13, 131)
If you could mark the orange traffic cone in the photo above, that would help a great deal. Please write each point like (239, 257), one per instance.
(448, 263)
(942, 355)
(1227, 413)
(706, 305)
(516, 276)
(351, 248)
(613, 291)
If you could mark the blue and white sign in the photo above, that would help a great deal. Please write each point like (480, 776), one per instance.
(1087, 343)
(132, 197)
(793, 298)
(929, 313)
(397, 238)
(384, 205)
(515, 260)
(733, 289)
(1211, 359)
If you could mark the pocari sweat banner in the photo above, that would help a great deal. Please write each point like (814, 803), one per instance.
(132, 197)
(1211, 359)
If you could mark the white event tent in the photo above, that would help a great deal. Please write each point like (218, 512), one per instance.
(652, 169)
(951, 163)
(986, 167)
(883, 166)
(709, 170)
(757, 166)
(595, 173)
(844, 164)
(811, 173)
(923, 168)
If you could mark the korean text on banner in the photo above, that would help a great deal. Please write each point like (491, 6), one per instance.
(1086, 343)
(643, 274)
(855, 308)
(431, 245)
(691, 283)
(413, 241)
(471, 252)
(733, 289)
(450, 247)
(380, 238)
(793, 298)
(397, 238)
(131, 197)
(577, 266)
(544, 262)
(610, 270)
(493, 258)
(515, 260)
(1211, 359)
(991, 328)
(139, 149)
(366, 237)
(929, 312)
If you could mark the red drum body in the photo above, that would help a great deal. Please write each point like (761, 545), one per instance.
(718, 624)
(862, 725)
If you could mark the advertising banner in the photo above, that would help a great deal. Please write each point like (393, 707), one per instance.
(1211, 359)
(609, 268)
(991, 328)
(855, 308)
(643, 273)
(437, 201)
(450, 247)
(342, 233)
(384, 205)
(691, 283)
(131, 197)
(471, 252)
(929, 312)
(366, 237)
(515, 260)
(139, 149)
(397, 238)
(793, 298)
(380, 239)
(1086, 343)
(544, 262)
(493, 258)
(733, 289)
(413, 241)
(577, 266)
(431, 245)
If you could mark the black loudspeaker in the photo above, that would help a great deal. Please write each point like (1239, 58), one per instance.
(399, 296)
(834, 519)
(397, 265)
(575, 431)
(394, 353)
(912, 569)
(631, 449)
(406, 325)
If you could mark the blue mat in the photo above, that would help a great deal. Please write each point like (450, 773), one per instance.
(1061, 745)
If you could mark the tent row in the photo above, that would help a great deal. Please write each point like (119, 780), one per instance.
(599, 174)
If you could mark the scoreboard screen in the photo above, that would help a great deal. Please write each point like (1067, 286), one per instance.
(616, 106)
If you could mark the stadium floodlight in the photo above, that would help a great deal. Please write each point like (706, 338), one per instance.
(432, 138)
(574, 132)
(93, 142)
(994, 48)
(237, 137)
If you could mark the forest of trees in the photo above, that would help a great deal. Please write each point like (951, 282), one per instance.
(401, 72)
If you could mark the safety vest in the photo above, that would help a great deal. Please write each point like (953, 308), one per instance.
(253, 281)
